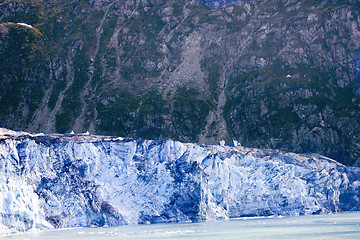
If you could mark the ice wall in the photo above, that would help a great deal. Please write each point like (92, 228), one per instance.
(71, 181)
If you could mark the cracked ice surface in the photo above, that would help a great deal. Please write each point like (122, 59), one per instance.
(57, 181)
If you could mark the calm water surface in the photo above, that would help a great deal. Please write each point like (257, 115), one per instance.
(336, 226)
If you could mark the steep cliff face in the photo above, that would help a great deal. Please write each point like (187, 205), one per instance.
(275, 74)
(55, 181)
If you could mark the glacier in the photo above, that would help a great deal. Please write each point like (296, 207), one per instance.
(62, 181)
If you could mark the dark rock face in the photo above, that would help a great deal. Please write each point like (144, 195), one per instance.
(221, 3)
(274, 74)
(357, 70)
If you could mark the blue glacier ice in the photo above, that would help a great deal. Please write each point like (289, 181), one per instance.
(61, 181)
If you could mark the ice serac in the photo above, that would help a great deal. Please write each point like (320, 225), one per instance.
(57, 181)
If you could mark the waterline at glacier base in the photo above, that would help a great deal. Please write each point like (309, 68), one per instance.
(310, 227)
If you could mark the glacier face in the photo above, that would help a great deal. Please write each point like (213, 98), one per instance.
(57, 181)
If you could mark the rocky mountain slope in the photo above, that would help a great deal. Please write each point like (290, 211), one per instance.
(56, 181)
(271, 73)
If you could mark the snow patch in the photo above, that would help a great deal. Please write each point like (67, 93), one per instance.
(25, 25)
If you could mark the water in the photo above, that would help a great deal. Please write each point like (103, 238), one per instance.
(337, 226)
